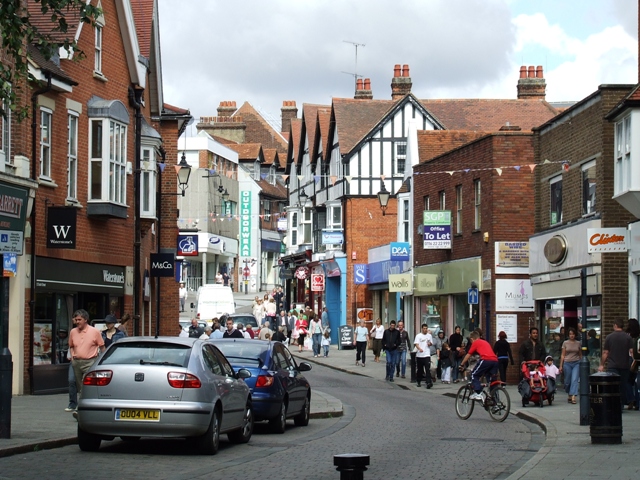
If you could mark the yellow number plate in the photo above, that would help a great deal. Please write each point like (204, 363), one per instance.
(129, 415)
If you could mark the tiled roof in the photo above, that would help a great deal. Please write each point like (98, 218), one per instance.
(177, 110)
(356, 118)
(42, 21)
(432, 143)
(143, 17)
(489, 115)
(48, 65)
(259, 130)
(631, 100)
(270, 155)
(324, 117)
(310, 119)
(246, 151)
(294, 138)
(276, 191)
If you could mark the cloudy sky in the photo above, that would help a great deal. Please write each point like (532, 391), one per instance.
(267, 51)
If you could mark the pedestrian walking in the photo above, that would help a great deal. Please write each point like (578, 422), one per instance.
(423, 343)
(85, 343)
(390, 344)
(326, 343)
(502, 349)
(182, 293)
(616, 354)
(301, 327)
(569, 363)
(376, 334)
(360, 341)
(316, 331)
(405, 345)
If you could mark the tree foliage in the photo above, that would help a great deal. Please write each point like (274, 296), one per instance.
(18, 32)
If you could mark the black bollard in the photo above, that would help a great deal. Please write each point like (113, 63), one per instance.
(6, 378)
(413, 367)
(351, 465)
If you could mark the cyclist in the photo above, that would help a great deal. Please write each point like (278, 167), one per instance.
(487, 365)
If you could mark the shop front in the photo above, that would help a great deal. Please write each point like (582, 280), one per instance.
(97, 288)
(441, 294)
(556, 261)
(634, 270)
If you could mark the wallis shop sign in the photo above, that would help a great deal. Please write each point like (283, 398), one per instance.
(401, 282)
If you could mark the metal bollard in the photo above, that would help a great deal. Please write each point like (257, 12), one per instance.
(6, 378)
(351, 465)
(413, 367)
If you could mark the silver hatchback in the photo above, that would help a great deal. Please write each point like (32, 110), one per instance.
(164, 387)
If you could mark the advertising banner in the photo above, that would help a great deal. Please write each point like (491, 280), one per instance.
(512, 254)
(507, 323)
(437, 237)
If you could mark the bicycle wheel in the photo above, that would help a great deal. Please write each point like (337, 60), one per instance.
(501, 407)
(464, 404)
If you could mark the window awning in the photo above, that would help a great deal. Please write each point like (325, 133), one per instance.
(332, 268)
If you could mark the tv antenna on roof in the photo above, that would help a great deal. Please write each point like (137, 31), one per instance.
(355, 74)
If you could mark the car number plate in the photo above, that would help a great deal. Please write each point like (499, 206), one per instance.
(131, 415)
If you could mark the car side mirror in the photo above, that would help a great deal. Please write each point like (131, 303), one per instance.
(304, 367)
(243, 373)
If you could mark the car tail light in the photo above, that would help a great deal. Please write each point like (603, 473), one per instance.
(183, 380)
(98, 378)
(264, 381)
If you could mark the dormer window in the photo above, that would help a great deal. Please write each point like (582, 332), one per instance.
(272, 175)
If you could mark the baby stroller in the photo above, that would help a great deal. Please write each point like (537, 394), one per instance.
(543, 387)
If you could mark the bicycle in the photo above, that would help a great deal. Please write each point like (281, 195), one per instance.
(496, 400)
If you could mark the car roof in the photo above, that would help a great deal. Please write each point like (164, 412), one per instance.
(252, 341)
(177, 340)
(235, 315)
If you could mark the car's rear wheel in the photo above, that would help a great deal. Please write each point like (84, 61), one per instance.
(243, 434)
(302, 419)
(88, 442)
(279, 424)
(209, 443)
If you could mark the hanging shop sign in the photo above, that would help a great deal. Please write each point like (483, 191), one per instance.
(61, 227)
(607, 240)
(13, 212)
(302, 273)
(317, 283)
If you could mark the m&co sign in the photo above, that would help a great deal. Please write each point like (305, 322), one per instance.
(606, 240)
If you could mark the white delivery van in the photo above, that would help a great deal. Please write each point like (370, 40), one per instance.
(213, 301)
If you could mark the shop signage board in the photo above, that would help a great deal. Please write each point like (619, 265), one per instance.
(400, 251)
(437, 229)
(317, 282)
(507, 323)
(13, 212)
(514, 296)
(607, 240)
(245, 223)
(401, 282)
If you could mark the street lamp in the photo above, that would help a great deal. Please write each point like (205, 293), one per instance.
(303, 197)
(183, 172)
(225, 196)
(383, 198)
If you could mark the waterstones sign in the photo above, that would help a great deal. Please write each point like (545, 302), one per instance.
(245, 223)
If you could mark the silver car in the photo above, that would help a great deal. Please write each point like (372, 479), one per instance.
(164, 387)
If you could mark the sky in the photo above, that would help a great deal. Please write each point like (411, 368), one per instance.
(267, 51)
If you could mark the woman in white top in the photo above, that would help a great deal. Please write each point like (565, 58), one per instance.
(270, 310)
(376, 334)
(258, 311)
(316, 331)
(360, 341)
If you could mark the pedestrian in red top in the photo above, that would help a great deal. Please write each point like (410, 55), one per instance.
(487, 365)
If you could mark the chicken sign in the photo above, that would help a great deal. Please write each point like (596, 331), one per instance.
(317, 283)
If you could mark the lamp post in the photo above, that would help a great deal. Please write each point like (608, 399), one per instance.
(383, 199)
(183, 171)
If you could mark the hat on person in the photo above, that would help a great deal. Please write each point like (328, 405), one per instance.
(110, 319)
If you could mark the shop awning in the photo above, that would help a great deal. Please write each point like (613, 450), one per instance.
(332, 268)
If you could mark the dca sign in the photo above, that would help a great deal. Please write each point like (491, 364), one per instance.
(400, 251)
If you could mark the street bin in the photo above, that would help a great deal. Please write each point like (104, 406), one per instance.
(605, 410)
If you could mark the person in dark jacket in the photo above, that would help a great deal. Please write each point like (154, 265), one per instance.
(502, 350)
(195, 330)
(455, 344)
(532, 349)
(390, 343)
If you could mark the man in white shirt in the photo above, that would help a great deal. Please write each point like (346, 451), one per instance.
(423, 343)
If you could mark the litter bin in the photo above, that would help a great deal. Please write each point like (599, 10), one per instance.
(412, 366)
(605, 410)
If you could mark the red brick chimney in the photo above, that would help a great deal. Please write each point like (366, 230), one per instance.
(226, 108)
(531, 84)
(363, 89)
(288, 112)
(401, 82)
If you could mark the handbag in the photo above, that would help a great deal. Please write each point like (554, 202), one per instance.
(461, 353)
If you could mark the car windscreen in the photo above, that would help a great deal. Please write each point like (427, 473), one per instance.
(245, 320)
(244, 353)
(147, 353)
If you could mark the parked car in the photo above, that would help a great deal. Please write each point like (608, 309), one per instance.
(245, 319)
(279, 390)
(164, 387)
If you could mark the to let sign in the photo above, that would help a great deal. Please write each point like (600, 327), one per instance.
(317, 283)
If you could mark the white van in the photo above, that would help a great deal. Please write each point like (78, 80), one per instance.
(214, 300)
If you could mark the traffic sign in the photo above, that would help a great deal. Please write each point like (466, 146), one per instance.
(472, 296)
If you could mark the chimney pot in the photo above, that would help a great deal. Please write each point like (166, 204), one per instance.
(405, 70)
(397, 71)
(359, 84)
(523, 72)
(532, 72)
(539, 72)
(367, 84)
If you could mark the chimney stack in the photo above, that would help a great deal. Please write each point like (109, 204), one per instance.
(226, 108)
(363, 89)
(531, 84)
(401, 82)
(288, 112)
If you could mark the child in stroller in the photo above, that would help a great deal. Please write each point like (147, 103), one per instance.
(535, 386)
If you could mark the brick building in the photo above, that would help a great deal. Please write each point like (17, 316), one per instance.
(82, 241)
(574, 190)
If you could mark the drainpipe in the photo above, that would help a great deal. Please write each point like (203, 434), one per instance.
(34, 177)
(135, 98)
